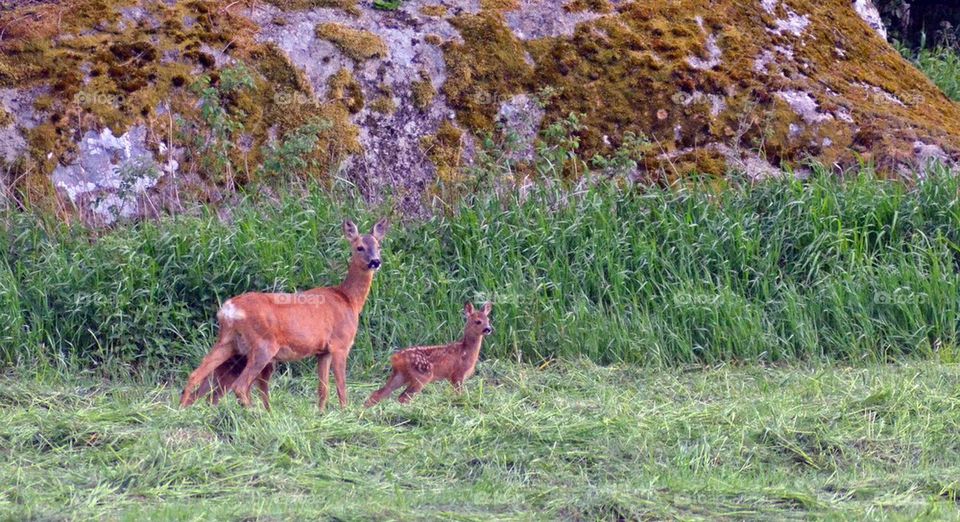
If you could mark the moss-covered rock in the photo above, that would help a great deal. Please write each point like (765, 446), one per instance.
(763, 86)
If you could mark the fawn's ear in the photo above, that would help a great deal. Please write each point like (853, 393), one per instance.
(350, 230)
(467, 308)
(380, 229)
(487, 307)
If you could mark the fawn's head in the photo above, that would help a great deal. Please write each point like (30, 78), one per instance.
(478, 321)
(366, 247)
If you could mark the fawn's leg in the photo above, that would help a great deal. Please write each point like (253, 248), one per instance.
(323, 375)
(417, 382)
(263, 382)
(220, 352)
(257, 360)
(395, 381)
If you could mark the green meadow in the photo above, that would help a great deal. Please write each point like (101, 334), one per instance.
(773, 350)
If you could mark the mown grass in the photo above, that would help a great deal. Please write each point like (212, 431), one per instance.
(570, 441)
(779, 270)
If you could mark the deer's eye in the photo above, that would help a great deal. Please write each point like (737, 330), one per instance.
(478, 322)
(359, 249)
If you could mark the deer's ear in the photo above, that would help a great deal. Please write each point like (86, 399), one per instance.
(467, 308)
(350, 230)
(380, 229)
(487, 308)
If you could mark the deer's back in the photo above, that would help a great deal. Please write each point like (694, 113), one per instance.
(302, 323)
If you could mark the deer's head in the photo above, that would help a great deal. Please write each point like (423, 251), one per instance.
(478, 321)
(365, 247)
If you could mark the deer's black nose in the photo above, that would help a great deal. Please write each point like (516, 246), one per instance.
(374, 264)
(487, 331)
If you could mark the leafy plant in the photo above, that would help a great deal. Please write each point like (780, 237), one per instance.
(293, 153)
(212, 142)
(557, 148)
(625, 158)
(387, 5)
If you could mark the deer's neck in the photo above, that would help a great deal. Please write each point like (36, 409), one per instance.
(471, 345)
(356, 286)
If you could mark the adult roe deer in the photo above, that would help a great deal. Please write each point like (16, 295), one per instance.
(257, 329)
(418, 366)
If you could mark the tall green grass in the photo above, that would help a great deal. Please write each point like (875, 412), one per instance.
(779, 270)
(941, 64)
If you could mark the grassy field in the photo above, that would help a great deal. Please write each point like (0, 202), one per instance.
(784, 349)
(570, 441)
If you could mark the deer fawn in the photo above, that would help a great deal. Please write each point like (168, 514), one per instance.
(258, 329)
(418, 366)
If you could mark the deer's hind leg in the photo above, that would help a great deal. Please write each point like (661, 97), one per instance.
(259, 358)
(220, 353)
(215, 381)
(396, 380)
(417, 382)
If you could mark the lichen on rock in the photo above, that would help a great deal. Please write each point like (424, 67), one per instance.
(764, 86)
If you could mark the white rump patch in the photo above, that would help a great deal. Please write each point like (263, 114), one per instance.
(231, 312)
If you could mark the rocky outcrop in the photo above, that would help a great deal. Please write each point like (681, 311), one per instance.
(400, 102)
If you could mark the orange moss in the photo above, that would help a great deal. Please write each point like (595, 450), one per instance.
(579, 6)
(700, 162)
(500, 5)
(290, 103)
(423, 91)
(630, 72)
(485, 69)
(101, 75)
(350, 6)
(358, 44)
(344, 88)
(383, 105)
(445, 150)
(434, 10)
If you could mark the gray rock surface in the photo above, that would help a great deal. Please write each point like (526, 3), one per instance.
(111, 176)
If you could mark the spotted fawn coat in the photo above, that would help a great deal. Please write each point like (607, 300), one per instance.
(418, 366)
